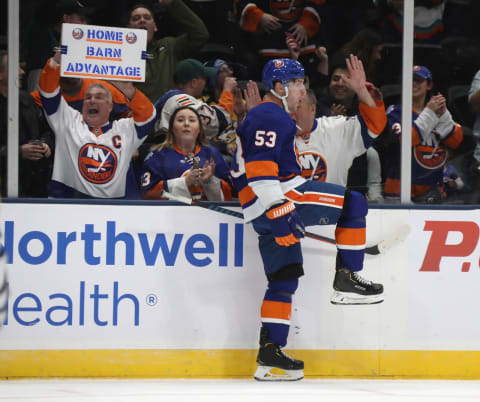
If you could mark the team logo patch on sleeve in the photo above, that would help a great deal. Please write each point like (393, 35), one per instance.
(97, 163)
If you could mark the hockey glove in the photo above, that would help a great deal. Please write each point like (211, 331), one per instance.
(287, 227)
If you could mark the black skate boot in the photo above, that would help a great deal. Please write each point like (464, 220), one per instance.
(351, 288)
(274, 364)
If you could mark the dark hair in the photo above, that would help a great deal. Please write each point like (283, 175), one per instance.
(337, 61)
(139, 5)
(170, 138)
(362, 45)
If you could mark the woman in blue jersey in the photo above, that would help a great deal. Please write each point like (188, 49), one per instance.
(184, 164)
(433, 133)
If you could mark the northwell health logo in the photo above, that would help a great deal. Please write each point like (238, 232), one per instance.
(37, 247)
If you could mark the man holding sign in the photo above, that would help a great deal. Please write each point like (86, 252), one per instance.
(92, 155)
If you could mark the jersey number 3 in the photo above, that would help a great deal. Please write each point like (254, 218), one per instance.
(267, 138)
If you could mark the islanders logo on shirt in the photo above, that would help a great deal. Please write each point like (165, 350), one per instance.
(430, 157)
(313, 166)
(97, 163)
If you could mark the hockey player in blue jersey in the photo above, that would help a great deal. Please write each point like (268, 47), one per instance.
(280, 203)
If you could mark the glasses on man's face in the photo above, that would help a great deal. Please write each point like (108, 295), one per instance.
(417, 79)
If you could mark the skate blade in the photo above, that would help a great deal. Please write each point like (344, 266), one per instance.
(344, 298)
(268, 373)
(398, 237)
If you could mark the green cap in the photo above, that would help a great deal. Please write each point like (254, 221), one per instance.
(188, 69)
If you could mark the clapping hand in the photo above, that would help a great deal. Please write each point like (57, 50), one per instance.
(338, 110)
(437, 104)
(207, 171)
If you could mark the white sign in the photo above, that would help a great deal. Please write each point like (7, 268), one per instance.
(108, 53)
(178, 277)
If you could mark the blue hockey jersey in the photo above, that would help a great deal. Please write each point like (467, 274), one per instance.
(266, 164)
(165, 169)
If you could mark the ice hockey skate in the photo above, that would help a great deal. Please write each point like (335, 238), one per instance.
(274, 364)
(350, 288)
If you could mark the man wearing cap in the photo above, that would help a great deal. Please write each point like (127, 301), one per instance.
(166, 52)
(190, 78)
(224, 91)
(433, 133)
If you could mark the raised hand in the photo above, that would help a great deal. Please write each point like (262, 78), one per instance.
(299, 33)
(321, 53)
(252, 95)
(126, 87)
(239, 107)
(356, 80)
(292, 45)
(229, 84)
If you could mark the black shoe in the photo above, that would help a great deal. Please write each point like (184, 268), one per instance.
(351, 288)
(271, 357)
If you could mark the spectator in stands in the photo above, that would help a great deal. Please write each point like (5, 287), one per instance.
(320, 141)
(317, 78)
(342, 19)
(367, 45)
(184, 165)
(92, 155)
(267, 23)
(167, 51)
(44, 34)
(428, 20)
(73, 90)
(433, 133)
(35, 140)
(221, 87)
(190, 78)
(337, 98)
(219, 18)
(474, 100)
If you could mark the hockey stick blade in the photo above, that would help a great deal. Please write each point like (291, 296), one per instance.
(380, 248)
(394, 238)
